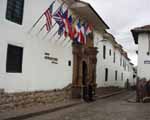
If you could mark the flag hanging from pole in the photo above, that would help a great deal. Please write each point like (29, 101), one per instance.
(65, 21)
(70, 27)
(77, 28)
(58, 17)
(68, 21)
(48, 14)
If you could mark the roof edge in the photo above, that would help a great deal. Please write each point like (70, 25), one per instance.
(107, 27)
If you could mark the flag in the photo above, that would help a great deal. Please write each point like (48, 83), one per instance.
(48, 15)
(89, 29)
(77, 34)
(58, 17)
(82, 35)
(68, 21)
(65, 21)
(71, 28)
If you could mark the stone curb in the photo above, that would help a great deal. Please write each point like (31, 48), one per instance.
(112, 94)
(29, 115)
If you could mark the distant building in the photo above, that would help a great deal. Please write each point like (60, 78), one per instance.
(30, 62)
(141, 37)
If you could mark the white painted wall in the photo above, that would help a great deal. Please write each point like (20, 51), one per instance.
(38, 73)
(143, 69)
(109, 63)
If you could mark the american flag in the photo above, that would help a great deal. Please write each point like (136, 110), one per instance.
(48, 15)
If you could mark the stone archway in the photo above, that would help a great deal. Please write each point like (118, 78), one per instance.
(84, 57)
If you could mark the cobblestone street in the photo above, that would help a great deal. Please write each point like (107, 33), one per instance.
(112, 108)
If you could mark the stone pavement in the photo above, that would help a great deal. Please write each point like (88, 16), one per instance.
(113, 108)
(19, 114)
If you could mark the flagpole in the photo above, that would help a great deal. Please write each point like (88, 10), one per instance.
(35, 23)
(49, 31)
(67, 43)
(40, 29)
(40, 19)
(53, 35)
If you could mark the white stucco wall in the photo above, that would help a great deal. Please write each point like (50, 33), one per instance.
(38, 73)
(143, 69)
(109, 63)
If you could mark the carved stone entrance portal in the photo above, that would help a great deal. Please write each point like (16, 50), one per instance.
(84, 68)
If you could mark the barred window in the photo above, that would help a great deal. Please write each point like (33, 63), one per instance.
(14, 11)
(114, 57)
(104, 52)
(14, 59)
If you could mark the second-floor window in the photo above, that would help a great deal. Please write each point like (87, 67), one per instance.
(14, 11)
(120, 60)
(114, 57)
(104, 52)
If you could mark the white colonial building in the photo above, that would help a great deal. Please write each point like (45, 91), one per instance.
(113, 67)
(142, 38)
(29, 61)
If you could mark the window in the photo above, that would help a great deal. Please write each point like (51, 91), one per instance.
(14, 59)
(106, 74)
(116, 72)
(110, 52)
(114, 57)
(121, 76)
(14, 11)
(104, 51)
(69, 63)
(124, 65)
(121, 60)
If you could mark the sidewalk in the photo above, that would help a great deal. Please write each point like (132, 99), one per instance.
(20, 114)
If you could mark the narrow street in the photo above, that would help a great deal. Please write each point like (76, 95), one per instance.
(112, 108)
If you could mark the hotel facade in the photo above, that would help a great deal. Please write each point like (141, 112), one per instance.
(32, 60)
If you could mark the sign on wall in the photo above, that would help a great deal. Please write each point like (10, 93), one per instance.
(147, 62)
(52, 59)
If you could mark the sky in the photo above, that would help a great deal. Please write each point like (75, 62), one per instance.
(122, 16)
